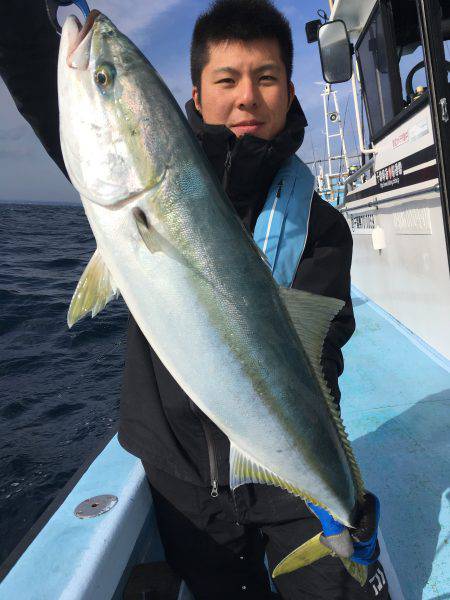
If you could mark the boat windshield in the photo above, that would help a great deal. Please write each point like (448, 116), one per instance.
(390, 60)
(372, 53)
(409, 48)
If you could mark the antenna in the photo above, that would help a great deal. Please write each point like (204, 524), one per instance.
(334, 132)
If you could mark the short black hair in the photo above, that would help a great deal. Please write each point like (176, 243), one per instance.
(240, 20)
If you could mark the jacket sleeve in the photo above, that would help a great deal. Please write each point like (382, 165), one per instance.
(325, 270)
(139, 390)
(28, 66)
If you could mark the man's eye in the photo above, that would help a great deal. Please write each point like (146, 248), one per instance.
(268, 78)
(226, 80)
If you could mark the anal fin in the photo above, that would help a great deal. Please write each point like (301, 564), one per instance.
(244, 469)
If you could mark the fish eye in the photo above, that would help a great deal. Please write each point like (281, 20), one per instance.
(104, 75)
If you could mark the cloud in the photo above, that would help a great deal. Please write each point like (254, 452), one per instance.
(14, 134)
(12, 153)
(14, 141)
(133, 19)
(26, 171)
(291, 11)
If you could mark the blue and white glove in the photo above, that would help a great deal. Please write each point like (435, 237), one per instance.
(361, 546)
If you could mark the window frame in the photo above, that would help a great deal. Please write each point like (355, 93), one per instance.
(384, 6)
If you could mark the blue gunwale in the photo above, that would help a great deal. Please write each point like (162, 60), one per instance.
(86, 558)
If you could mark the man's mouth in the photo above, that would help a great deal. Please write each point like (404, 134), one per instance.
(249, 126)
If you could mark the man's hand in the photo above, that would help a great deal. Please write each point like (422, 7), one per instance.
(364, 537)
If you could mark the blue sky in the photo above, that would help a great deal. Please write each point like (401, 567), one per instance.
(162, 30)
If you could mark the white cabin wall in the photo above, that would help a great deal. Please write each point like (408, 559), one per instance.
(409, 278)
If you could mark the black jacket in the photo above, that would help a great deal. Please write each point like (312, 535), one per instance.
(158, 422)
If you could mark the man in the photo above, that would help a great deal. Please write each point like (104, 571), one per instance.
(249, 123)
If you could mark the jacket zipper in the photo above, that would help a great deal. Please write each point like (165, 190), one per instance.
(235, 506)
(213, 469)
(280, 185)
(226, 173)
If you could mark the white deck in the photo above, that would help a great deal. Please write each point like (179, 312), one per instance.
(396, 408)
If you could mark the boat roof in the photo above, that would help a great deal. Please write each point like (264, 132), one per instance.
(354, 13)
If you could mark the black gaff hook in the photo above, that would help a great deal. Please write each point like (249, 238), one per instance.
(52, 10)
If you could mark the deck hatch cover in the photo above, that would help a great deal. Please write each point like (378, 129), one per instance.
(95, 506)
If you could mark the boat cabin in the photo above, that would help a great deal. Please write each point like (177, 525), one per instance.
(397, 53)
(396, 393)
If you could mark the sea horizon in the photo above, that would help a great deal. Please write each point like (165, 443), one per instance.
(26, 202)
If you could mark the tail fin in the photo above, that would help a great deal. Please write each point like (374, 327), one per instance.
(310, 552)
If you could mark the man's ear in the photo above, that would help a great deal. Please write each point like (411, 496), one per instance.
(196, 98)
(291, 94)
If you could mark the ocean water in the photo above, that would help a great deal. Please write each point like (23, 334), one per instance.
(59, 388)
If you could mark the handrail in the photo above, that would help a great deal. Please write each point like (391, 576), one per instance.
(357, 174)
(434, 188)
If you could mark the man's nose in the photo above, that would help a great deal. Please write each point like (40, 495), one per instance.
(247, 94)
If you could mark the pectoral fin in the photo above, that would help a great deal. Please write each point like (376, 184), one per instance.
(94, 290)
(154, 241)
(151, 238)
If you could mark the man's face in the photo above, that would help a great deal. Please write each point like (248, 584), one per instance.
(244, 87)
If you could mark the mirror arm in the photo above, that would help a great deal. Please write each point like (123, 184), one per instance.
(362, 148)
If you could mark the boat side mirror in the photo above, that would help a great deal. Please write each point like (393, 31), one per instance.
(335, 52)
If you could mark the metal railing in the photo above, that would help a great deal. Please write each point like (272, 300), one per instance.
(357, 174)
(434, 188)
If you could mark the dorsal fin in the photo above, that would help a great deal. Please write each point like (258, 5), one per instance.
(311, 316)
(94, 290)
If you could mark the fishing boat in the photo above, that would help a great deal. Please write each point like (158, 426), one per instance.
(90, 541)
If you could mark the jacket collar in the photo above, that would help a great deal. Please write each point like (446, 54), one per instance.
(252, 162)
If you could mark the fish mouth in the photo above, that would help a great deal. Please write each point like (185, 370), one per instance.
(80, 40)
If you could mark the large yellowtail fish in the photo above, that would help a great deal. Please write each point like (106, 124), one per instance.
(246, 351)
